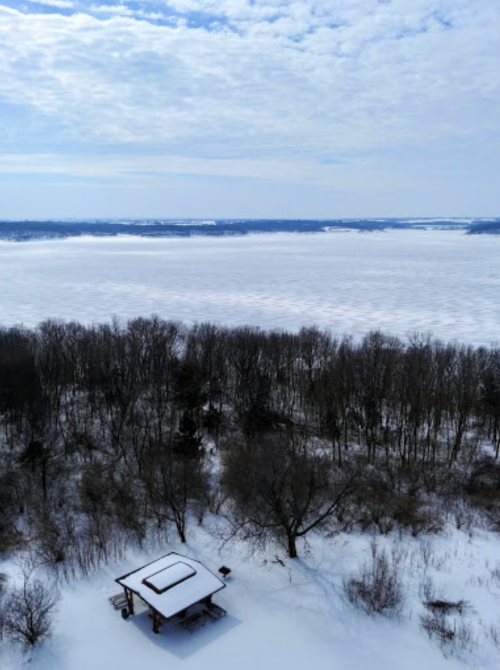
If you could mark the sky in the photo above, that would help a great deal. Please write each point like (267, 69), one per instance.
(249, 108)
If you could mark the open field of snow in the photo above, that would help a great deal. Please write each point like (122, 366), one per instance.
(286, 613)
(443, 282)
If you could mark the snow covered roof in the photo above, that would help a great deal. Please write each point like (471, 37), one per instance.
(170, 576)
(172, 583)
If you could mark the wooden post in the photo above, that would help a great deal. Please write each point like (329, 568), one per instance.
(130, 600)
(156, 621)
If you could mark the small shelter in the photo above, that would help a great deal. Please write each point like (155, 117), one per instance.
(169, 585)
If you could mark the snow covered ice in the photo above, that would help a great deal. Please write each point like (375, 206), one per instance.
(431, 281)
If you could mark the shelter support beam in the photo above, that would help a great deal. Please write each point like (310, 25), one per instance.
(130, 600)
(157, 620)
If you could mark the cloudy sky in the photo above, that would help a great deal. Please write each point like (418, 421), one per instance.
(251, 108)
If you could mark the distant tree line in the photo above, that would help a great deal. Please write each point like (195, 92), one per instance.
(485, 227)
(21, 231)
(116, 434)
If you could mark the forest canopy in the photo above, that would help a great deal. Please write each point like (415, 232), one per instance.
(113, 434)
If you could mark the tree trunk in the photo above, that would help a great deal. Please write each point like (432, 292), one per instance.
(292, 546)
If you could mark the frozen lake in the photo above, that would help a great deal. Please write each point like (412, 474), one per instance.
(443, 282)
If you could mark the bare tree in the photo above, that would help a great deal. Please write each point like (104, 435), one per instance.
(28, 610)
(283, 492)
(175, 485)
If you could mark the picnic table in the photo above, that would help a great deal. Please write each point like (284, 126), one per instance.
(215, 611)
(193, 622)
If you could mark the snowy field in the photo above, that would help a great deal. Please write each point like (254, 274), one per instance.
(443, 282)
(285, 613)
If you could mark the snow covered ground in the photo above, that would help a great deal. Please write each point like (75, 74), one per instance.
(443, 282)
(285, 613)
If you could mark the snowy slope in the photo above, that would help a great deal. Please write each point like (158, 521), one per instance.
(284, 613)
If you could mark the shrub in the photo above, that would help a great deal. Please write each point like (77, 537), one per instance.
(438, 627)
(28, 611)
(379, 588)
(494, 632)
(388, 500)
(446, 606)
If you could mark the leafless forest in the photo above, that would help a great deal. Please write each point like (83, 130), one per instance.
(114, 435)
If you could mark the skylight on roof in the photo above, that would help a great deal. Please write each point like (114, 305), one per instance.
(165, 579)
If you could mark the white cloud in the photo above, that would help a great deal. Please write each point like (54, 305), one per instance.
(111, 166)
(287, 83)
(59, 4)
(118, 10)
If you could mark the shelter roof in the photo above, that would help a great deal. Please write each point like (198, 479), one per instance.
(172, 583)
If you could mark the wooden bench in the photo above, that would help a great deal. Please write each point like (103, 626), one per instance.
(118, 601)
